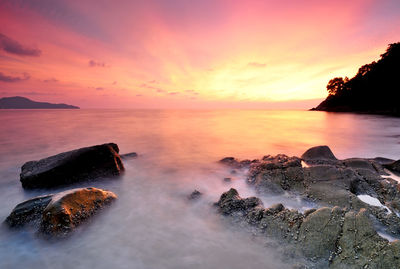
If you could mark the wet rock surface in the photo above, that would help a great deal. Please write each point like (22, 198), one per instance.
(28, 211)
(341, 232)
(72, 166)
(328, 237)
(58, 214)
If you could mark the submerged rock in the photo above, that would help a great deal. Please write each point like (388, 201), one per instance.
(58, 214)
(72, 166)
(195, 195)
(129, 155)
(235, 163)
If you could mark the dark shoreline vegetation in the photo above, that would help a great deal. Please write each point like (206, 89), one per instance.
(375, 89)
(18, 102)
(356, 202)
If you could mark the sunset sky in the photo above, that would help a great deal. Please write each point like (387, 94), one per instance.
(188, 53)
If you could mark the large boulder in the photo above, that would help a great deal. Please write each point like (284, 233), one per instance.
(67, 210)
(58, 214)
(72, 166)
(318, 153)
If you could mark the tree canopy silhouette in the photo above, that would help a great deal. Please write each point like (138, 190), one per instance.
(374, 89)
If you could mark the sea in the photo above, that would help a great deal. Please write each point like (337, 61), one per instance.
(153, 225)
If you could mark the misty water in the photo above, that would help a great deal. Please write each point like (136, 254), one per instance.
(152, 224)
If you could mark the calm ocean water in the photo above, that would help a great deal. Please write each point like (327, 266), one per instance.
(152, 225)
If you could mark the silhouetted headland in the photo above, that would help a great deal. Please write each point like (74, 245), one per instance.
(18, 102)
(374, 89)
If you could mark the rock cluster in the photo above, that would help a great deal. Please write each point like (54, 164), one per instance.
(58, 214)
(341, 230)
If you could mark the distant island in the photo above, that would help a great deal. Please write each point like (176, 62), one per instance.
(375, 89)
(18, 102)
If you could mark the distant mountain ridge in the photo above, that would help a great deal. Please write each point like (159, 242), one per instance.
(18, 102)
(375, 89)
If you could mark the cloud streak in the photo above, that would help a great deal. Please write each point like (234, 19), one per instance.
(93, 63)
(14, 47)
(5, 78)
(50, 80)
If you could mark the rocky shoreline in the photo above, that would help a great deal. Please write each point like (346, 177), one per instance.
(356, 202)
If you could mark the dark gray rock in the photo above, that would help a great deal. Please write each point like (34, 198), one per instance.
(332, 237)
(28, 211)
(276, 174)
(320, 231)
(231, 203)
(235, 163)
(358, 163)
(318, 153)
(340, 234)
(72, 166)
(231, 161)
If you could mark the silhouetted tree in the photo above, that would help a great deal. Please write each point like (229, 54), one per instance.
(335, 86)
(365, 69)
(374, 89)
